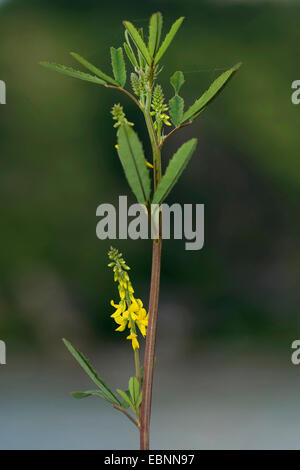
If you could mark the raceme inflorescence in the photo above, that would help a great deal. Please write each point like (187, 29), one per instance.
(130, 312)
(163, 117)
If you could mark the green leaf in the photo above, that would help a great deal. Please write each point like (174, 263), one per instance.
(73, 73)
(176, 105)
(124, 403)
(118, 65)
(89, 393)
(176, 166)
(141, 57)
(177, 80)
(214, 89)
(136, 37)
(126, 398)
(168, 39)
(130, 55)
(155, 27)
(93, 68)
(134, 389)
(134, 164)
(105, 391)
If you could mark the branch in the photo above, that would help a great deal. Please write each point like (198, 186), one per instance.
(174, 131)
(126, 93)
(117, 407)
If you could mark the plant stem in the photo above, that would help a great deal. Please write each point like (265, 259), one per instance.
(154, 297)
(173, 132)
(150, 346)
(126, 93)
(117, 407)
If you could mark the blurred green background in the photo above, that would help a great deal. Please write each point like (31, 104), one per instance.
(58, 163)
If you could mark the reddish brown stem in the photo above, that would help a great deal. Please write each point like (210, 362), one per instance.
(150, 346)
(117, 407)
(174, 131)
(126, 93)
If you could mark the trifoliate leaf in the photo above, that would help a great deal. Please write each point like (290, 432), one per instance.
(126, 398)
(137, 39)
(176, 105)
(176, 166)
(83, 361)
(118, 65)
(214, 89)
(73, 73)
(177, 80)
(93, 68)
(134, 164)
(155, 27)
(168, 39)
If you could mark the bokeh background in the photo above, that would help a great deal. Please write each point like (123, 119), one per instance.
(228, 313)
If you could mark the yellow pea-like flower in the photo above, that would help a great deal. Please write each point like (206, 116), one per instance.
(121, 327)
(135, 343)
(129, 312)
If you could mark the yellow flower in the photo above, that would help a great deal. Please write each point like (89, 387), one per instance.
(135, 343)
(134, 307)
(165, 118)
(129, 312)
(122, 292)
(149, 165)
(142, 321)
(120, 308)
(121, 327)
